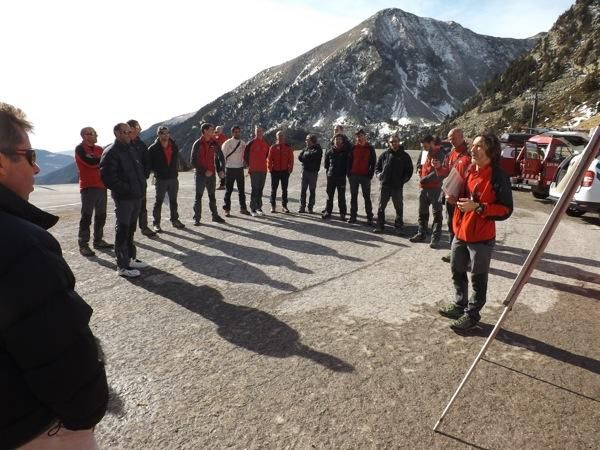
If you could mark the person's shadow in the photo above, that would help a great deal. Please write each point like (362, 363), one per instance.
(246, 327)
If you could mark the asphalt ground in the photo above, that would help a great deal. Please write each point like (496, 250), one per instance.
(288, 331)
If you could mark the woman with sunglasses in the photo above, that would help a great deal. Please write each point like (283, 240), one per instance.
(486, 198)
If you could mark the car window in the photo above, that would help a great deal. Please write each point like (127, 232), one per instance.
(561, 152)
(532, 151)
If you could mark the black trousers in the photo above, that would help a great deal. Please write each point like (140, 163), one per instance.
(234, 176)
(167, 186)
(257, 181)
(364, 182)
(308, 182)
(450, 211)
(127, 213)
(396, 194)
(276, 177)
(333, 184)
(93, 202)
(210, 184)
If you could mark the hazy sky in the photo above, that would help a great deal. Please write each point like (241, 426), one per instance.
(70, 64)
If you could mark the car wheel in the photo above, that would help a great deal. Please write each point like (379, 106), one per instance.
(539, 195)
(573, 212)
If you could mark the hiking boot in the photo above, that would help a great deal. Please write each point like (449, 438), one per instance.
(370, 222)
(273, 209)
(342, 217)
(259, 212)
(302, 210)
(378, 230)
(419, 237)
(148, 232)
(218, 219)
(435, 243)
(197, 222)
(311, 211)
(137, 264)
(463, 323)
(244, 212)
(128, 273)
(177, 224)
(285, 209)
(101, 243)
(253, 213)
(157, 228)
(352, 219)
(451, 311)
(85, 250)
(326, 215)
(227, 213)
(447, 258)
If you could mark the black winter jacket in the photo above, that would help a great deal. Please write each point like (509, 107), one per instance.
(394, 169)
(336, 162)
(122, 172)
(158, 162)
(144, 155)
(49, 365)
(311, 158)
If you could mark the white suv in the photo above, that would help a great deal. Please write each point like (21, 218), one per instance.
(587, 196)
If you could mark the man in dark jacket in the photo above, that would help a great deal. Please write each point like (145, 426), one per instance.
(310, 158)
(393, 169)
(52, 382)
(336, 167)
(361, 168)
(164, 158)
(122, 172)
(144, 156)
(93, 192)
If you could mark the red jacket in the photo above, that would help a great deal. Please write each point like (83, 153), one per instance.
(204, 157)
(88, 164)
(281, 158)
(494, 195)
(431, 178)
(255, 155)
(362, 160)
(221, 138)
(457, 154)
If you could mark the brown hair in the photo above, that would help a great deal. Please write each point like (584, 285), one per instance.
(492, 146)
(13, 123)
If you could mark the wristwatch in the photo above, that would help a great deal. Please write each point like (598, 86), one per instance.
(479, 209)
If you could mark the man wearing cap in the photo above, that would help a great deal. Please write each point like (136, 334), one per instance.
(233, 150)
(361, 168)
(255, 157)
(164, 159)
(431, 174)
(122, 172)
(93, 192)
(144, 155)
(206, 161)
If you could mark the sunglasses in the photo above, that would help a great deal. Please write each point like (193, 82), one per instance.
(28, 153)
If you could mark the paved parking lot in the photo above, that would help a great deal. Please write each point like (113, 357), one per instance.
(291, 332)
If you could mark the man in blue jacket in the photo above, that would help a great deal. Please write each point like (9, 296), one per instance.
(53, 386)
(310, 158)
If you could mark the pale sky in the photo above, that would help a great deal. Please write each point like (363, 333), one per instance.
(70, 64)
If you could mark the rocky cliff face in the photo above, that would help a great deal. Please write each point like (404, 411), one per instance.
(564, 69)
(393, 69)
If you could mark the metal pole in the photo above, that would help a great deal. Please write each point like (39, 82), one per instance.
(590, 152)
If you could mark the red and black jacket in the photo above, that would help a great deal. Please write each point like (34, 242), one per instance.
(490, 187)
(362, 160)
(88, 164)
(281, 158)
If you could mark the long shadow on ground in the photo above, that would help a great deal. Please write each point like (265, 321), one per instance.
(243, 326)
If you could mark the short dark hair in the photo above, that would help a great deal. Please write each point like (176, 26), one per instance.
(359, 132)
(312, 138)
(205, 126)
(133, 123)
(13, 123)
(235, 127)
(427, 139)
(118, 126)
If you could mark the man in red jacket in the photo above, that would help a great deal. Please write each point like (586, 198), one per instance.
(486, 198)
(431, 174)
(280, 163)
(93, 192)
(220, 139)
(458, 154)
(206, 161)
(361, 168)
(255, 158)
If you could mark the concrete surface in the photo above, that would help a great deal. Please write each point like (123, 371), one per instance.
(291, 332)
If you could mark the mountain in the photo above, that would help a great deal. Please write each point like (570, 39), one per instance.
(393, 69)
(49, 161)
(564, 69)
(64, 175)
